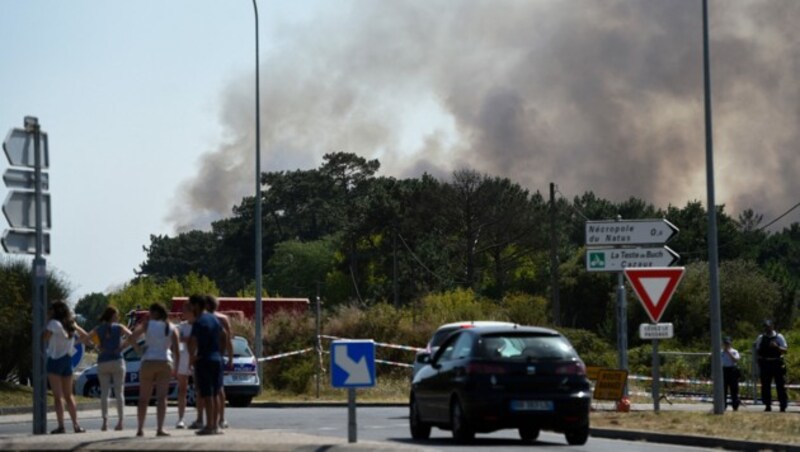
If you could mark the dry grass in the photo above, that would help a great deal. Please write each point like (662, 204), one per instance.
(14, 395)
(386, 390)
(744, 425)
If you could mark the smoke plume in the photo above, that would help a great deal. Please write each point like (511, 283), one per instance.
(601, 95)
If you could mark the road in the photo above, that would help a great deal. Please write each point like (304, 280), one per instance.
(388, 424)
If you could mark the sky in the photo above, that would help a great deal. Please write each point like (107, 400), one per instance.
(149, 105)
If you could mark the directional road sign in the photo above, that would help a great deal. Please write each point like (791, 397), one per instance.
(654, 287)
(23, 242)
(19, 148)
(24, 179)
(352, 363)
(629, 232)
(20, 209)
(77, 353)
(656, 331)
(618, 259)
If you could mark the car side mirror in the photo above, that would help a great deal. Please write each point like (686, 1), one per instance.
(424, 358)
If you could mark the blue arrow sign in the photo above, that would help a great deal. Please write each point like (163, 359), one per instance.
(352, 363)
(77, 354)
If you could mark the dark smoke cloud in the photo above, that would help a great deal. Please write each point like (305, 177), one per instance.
(602, 95)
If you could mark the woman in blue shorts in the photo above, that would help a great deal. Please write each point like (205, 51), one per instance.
(60, 338)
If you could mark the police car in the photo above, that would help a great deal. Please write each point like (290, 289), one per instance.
(242, 383)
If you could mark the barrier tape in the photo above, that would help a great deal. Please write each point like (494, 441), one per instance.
(689, 381)
(382, 361)
(284, 355)
(383, 344)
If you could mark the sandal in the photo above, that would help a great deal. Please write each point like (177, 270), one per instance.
(118, 428)
(79, 429)
(58, 431)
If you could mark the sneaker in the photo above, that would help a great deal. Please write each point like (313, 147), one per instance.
(196, 425)
(223, 424)
(180, 424)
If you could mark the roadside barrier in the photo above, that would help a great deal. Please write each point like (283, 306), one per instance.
(383, 344)
(284, 355)
(689, 381)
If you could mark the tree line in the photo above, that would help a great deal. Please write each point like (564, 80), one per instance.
(349, 235)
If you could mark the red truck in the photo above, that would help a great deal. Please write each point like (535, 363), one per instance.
(247, 306)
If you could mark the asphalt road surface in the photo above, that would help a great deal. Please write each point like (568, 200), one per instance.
(389, 424)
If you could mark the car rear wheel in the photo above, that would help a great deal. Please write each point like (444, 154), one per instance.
(419, 429)
(577, 436)
(240, 401)
(461, 430)
(529, 433)
(191, 395)
(92, 389)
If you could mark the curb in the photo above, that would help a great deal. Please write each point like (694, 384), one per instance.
(5, 411)
(257, 404)
(689, 440)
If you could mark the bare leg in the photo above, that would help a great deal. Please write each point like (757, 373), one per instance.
(55, 386)
(66, 390)
(162, 387)
(221, 406)
(145, 391)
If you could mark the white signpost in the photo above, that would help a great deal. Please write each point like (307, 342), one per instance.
(619, 245)
(656, 331)
(618, 259)
(28, 214)
(629, 232)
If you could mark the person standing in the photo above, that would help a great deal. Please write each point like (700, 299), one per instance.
(59, 335)
(185, 369)
(730, 372)
(161, 348)
(208, 338)
(212, 304)
(770, 348)
(110, 365)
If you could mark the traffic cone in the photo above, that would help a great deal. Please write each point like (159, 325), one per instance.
(624, 405)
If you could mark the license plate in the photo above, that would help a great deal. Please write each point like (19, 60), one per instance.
(531, 405)
(235, 377)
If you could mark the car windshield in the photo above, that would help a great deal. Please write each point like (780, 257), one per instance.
(529, 347)
(240, 349)
(441, 335)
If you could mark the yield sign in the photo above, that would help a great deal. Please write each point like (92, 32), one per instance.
(654, 286)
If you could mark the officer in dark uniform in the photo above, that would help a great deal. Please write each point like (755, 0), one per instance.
(770, 348)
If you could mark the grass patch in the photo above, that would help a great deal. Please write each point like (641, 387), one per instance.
(14, 395)
(743, 425)
(386, 390)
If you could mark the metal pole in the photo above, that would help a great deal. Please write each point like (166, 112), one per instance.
(39, 291)
(713, 259)
(656, 378)
(556, 301)
(622, 323)
(318, 344)
(352, 431)
(257, 216)
(394, 269)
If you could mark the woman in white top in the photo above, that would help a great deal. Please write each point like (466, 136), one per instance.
(161, 347)
(60, 338)
(184, 370)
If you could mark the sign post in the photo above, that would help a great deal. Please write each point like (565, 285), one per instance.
(654, 287)
(616, 245)
(28, 217)
(352, 366)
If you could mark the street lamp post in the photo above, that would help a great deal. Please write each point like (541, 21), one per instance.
(713, 259)
(257, 215)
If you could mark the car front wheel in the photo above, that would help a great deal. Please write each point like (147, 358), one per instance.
(419, 429)
(92, 389)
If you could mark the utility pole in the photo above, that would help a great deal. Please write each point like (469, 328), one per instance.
(555, 296)
(394, 268)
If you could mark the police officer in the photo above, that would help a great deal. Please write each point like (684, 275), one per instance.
(730, 372)
(770, 348)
